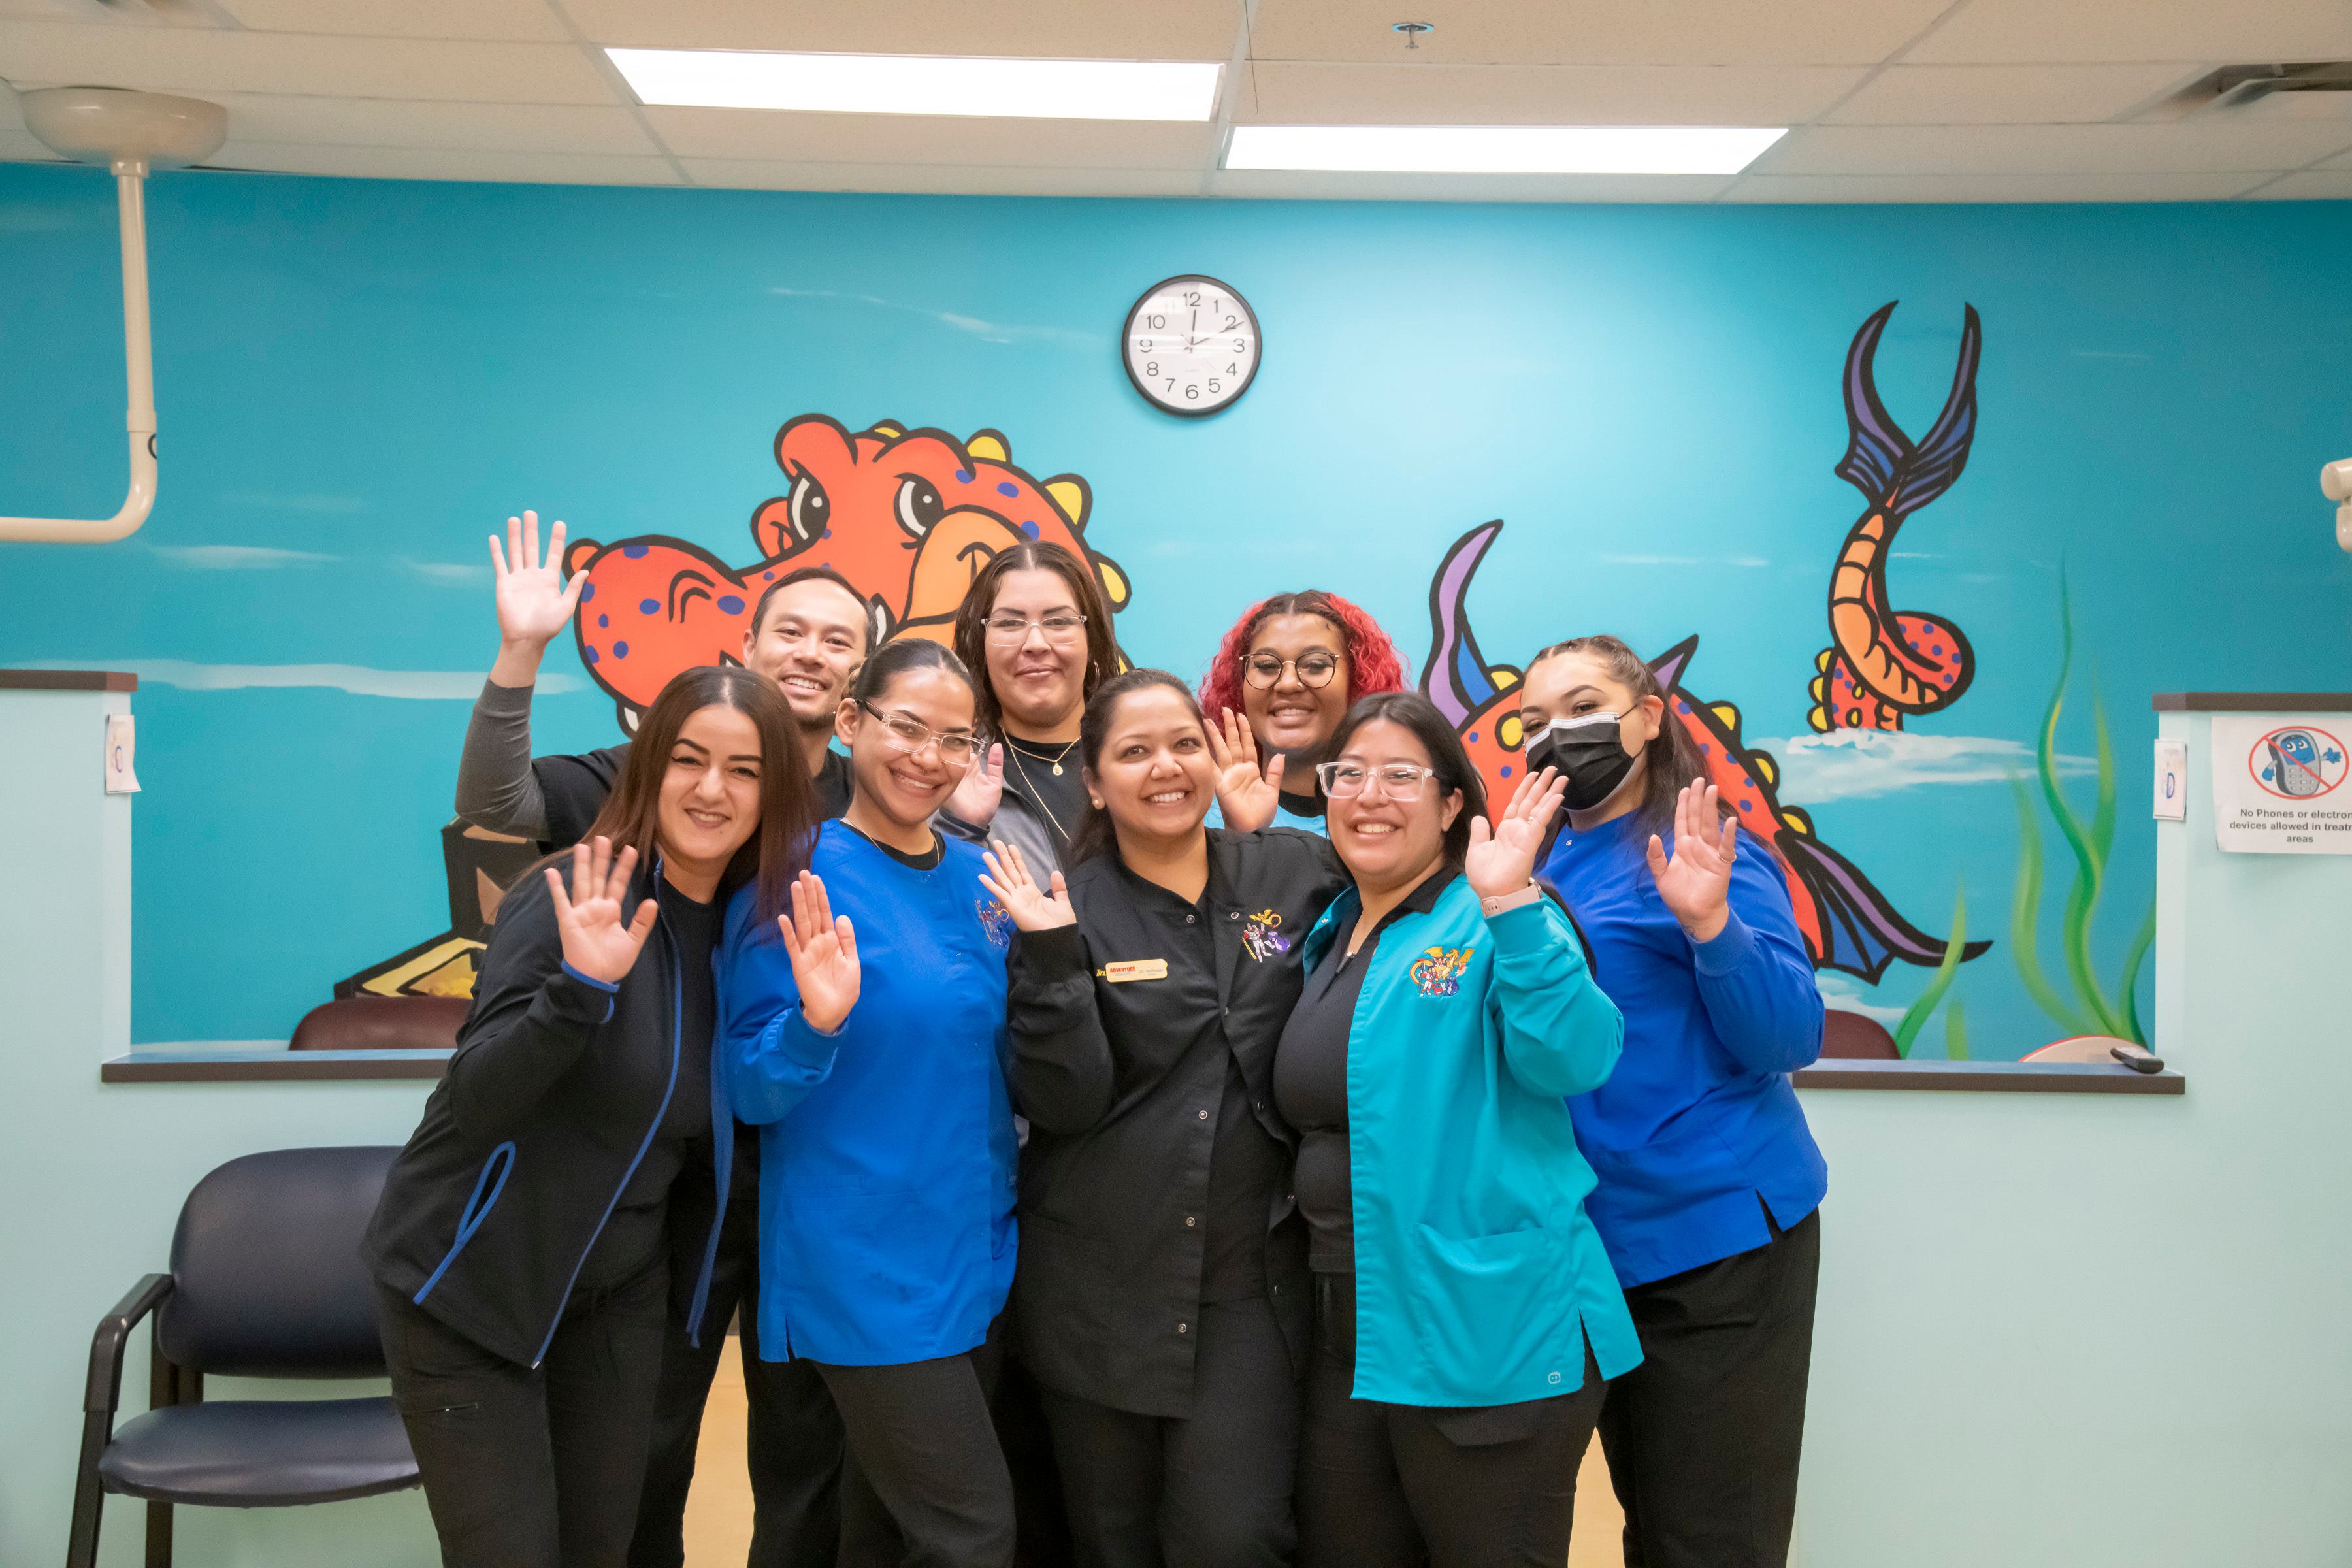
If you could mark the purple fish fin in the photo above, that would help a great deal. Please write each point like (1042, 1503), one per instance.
(1879, 460)
(1456, 676)
(1861, 932)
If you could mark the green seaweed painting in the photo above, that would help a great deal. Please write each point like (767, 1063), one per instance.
(2091, 1010)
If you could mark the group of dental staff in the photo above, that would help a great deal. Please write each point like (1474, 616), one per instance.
(1132, 1125)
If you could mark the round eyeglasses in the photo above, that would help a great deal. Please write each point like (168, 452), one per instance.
(906, 737)
(1264, 670)
(1398, 781)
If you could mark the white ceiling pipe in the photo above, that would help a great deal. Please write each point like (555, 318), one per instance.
(130, 133)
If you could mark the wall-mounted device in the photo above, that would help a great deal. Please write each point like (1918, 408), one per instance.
(2335, 484)
(132, 133)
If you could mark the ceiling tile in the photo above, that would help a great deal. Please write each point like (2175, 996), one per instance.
(10, 114)
(941, 179)
(2008, 95)
(1595, 32)
(1299, 92)
(1351, 185)
(2247, 31)
(444, 163)
(190, 61)
(2046, 149)
(2341, 161)
(1064, 29)
(526, 19)
(2312, 185)
(2202, 187)
(870, 139)
(576, 129)
(24, 147)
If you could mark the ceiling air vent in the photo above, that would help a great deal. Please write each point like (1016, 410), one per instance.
(2235, 87)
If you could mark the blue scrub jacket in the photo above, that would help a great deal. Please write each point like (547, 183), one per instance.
(886, 1151)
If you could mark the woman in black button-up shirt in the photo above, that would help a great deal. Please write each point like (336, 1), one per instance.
(1161, 1294)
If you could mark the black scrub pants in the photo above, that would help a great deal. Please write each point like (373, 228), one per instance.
(1703, 1438)
(792, 1440)
(528, 1468)
(1210, 1490)
(924, 1453)
(1395, 1485)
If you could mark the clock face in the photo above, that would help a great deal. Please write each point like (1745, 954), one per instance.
(1191, 345)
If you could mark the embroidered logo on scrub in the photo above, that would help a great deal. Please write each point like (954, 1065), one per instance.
(995, 921)
(1438, 972)
(1260, 940)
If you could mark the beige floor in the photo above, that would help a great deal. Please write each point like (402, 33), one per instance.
(719, 1512)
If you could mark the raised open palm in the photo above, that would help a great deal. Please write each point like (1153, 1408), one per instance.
(980, 790)
(1502, 855)
(1031, 908)
(533, 603)
(1246, 796)
(823, 952)
(1696, 884)
(598, 941)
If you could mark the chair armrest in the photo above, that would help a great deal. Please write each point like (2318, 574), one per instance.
(106, 1347)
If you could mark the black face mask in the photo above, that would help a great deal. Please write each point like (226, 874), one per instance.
(1590, 753)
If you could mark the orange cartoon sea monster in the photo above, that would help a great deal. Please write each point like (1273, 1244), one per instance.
(909, 516)
(1847, 922)
(1883, 664)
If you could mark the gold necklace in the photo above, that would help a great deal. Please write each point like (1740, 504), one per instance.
(1037, 798)
(1055, 758)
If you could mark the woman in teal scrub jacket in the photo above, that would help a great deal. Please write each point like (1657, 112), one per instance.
(1466, 1314)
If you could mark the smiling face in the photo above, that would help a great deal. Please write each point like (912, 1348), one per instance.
(1293, 716)
(810, 643)
(710, 803)
(1040, 684)
(1385, 842)
(1153, 776)
(906, 787)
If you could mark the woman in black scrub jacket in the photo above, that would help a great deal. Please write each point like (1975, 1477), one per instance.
(519, 1249)
(1162, 1297)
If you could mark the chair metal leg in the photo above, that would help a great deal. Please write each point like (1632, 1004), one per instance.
(159, 1535)
(167, 1384)
(81, 1543)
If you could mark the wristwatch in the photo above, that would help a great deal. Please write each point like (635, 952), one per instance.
(1504, 903)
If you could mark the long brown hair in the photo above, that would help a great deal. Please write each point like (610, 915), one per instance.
(1094, 833)
(1671, 760)
(778, 849)
(980, 603)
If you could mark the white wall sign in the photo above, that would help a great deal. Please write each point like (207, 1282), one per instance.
(2278, 783)
(2172, 780)
(121, 747)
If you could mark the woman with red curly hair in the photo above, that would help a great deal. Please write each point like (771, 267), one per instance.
(1291, 668)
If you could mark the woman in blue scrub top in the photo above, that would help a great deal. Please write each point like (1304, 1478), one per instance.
(1709, 1179)
(862, 1033)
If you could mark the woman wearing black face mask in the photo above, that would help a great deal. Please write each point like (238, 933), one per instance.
(1709, 1179)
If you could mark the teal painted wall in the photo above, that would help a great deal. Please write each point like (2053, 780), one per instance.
(360, 380)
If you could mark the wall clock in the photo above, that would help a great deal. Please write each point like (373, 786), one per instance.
(1191, 345)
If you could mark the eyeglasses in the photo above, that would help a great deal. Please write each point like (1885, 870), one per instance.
(1061, 630)
(904, 735)
(1400, 782)
(1264, 670)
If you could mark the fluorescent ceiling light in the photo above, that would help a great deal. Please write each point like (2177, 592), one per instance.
(1503, 149)
(922, 84)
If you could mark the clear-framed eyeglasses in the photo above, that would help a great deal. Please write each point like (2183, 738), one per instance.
(1061, 630)
(1264, 670)
(903, 735)
(1398, 781)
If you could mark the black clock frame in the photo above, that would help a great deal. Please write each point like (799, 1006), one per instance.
(1257, 363)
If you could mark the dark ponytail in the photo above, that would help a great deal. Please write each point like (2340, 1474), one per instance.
(903, 656)
(1671, 758)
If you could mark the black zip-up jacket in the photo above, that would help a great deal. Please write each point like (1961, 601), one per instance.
(1124, 1081)
(549, 1103)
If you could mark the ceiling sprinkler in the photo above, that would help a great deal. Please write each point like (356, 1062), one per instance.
(1413, 31)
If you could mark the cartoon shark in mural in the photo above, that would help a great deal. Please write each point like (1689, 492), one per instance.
(1883, 664)
(1847, 922)
(908, 516)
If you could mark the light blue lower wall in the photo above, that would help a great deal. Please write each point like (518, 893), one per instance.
(2053, 1329)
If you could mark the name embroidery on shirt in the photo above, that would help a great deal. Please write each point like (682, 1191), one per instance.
(1260, 940)
(995, 921)
(1438, 972)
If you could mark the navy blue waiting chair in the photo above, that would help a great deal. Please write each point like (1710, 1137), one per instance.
(266, 1281)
